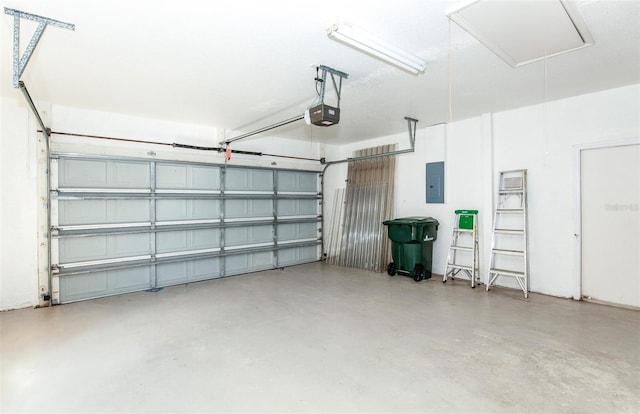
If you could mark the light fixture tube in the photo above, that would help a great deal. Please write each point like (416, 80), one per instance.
(368, 43)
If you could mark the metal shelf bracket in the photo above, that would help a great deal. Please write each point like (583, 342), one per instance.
(336, 86)
(412, 125)
(20, 63)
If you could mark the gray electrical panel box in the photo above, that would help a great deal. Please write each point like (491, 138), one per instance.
(435, 182)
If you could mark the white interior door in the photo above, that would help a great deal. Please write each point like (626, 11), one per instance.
(610, 188)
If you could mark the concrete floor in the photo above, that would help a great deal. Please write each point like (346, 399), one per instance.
(318, 338)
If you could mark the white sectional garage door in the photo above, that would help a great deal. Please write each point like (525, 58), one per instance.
(122, 225)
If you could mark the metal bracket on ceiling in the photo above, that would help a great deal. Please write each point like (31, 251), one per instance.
(20, 63)
(336, 86)
(412, 124)
(322, 78)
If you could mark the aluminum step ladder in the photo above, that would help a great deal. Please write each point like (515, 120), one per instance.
(509, 241)
(464, 252)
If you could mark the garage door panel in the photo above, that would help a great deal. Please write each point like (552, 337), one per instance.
(126, 280)
(76, 287)
(294, 181)
(171, 273)
(82, 249)
(297, 207)
(204, 209)
(129, 175)
(237, 236)
(205, 178)
(79, 173)
(297, 231)
(237, 179)
(168, 241)
(187, 209)
(248, 262)
(297, 255)
(103, 283)
(125, 211)
(203, 269)
(85, 212)
(101, 247)
(124, 245)
(205, 238)
(188, 271)
(187, 177)
(184, 240)
(248, 208)
(83, 173)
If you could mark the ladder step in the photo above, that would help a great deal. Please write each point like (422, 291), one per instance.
(462, 248)
(501, 191)
(508, 252)
(510, 210)
(462, 267)
(505, 272)
(508, 231)
(463, 230)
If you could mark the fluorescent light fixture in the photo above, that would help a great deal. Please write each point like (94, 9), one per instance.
(372, 45)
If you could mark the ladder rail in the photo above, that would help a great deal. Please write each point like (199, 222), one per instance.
(526, 233)
(453, 267)
(511, 183)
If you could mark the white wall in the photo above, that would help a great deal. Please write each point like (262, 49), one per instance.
(18, 208)
(21, 195)
(522, 138)
(539, 138)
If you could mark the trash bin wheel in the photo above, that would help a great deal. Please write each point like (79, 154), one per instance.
(391, 269)
(418, 272)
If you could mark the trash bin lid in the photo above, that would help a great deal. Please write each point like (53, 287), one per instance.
(413, 221)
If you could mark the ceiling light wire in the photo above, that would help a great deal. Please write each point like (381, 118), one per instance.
(450, 73)
(545, 109)
(318, 81)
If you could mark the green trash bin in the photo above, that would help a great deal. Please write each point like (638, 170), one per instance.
(412, 246)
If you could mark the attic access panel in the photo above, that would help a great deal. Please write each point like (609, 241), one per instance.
(523, 32)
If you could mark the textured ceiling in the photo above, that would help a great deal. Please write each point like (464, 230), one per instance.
(240, 65)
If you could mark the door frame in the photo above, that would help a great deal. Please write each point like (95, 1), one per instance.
(577, 185)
